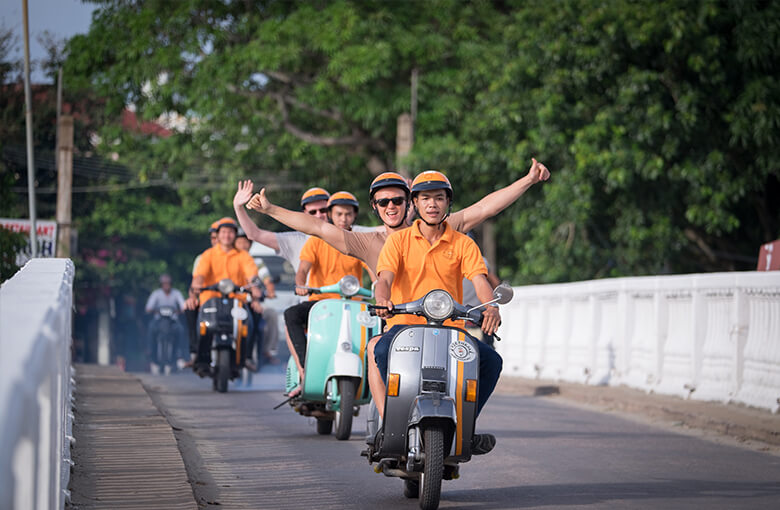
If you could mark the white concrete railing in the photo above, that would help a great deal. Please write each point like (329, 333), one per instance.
(35, 385)
(703, 336)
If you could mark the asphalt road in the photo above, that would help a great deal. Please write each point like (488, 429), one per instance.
(240, 453)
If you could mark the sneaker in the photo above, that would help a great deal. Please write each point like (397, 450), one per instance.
(250, 365)
(482, 443)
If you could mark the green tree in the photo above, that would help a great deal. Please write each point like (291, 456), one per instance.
(299, 92)
(658, 119)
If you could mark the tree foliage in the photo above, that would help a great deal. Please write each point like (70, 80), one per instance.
(659, 120)
(128, 230)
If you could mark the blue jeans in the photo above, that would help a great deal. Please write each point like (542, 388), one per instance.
(490, 365)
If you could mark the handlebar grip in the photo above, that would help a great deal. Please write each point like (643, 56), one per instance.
(373, 308)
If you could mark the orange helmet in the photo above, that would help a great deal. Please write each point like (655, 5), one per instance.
(314, 195)
(430, 180)
(386, 180)
(343, 198)
(213, 227)
(225, 222)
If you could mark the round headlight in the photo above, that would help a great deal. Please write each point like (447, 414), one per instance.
(349, 285)
(438, 305)
(226, 286)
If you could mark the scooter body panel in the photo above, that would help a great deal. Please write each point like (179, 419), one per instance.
(338, 335)
(434, 365)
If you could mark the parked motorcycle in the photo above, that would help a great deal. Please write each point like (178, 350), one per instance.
(225, 318)
(336, 384)
(431, 398)
(166, 339)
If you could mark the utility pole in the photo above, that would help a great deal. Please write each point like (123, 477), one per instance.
(64, 183)
(29, 128)
(404, 137)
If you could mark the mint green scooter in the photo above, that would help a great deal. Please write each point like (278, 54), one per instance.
(336, 382)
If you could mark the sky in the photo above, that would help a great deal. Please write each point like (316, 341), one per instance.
(63, 18)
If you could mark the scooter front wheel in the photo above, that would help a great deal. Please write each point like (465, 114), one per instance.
(346, 405)
(430, 481)
(223, 370)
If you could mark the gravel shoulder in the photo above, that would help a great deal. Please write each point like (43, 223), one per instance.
(738, 425)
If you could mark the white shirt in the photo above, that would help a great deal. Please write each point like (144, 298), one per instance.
(159, 299)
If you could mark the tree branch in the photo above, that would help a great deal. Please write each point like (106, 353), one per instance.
(703, 246)
(357, 138)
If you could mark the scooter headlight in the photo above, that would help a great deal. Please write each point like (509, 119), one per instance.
(438, 305)
(226, 286)
(349, 285)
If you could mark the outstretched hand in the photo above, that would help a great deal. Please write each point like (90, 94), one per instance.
(538, 172)
(259, 202)
(243, 194)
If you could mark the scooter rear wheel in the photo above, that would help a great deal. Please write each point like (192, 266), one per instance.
(430, 482)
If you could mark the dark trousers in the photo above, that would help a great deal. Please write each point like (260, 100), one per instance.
(296, 319)
(175, 332)
(256, 336)
(191, 317)
(490, 365)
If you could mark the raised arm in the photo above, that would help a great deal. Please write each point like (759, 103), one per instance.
(299, 221)
(497, 201)
(253, 232)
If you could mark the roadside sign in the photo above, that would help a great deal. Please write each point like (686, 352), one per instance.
(46, 231)
(769, 257)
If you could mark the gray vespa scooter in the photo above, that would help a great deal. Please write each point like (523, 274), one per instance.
(431, 399)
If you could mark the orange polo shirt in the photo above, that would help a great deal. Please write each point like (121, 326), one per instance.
(216, 264)
(420, 266)
(328, 266)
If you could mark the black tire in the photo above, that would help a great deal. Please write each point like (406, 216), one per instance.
(430, 482)
(324, 426)
(344, 414)
(412, 489)
(223, 370)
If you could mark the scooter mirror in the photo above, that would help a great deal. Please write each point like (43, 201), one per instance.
(503, 293)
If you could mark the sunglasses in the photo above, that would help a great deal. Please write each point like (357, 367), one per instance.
(324, 210)
(382, 202)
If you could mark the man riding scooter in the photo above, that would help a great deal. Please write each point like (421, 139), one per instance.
(220, 262)
(427, 256)
(322, 265)
(166, 303)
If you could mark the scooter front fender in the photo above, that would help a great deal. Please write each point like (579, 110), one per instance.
(428, 406)
(346, 364)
